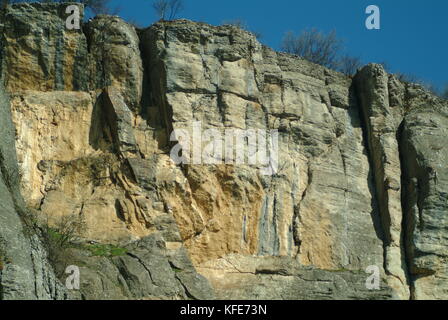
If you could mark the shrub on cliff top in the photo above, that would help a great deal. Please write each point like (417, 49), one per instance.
(445, 92)
(167, 9)
(321, 48)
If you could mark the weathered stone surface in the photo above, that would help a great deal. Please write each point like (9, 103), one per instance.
(148, 270)
(424, 155)
(284, 278)
(51, 126)
(406, 125)
(119, 118)
(382, 120)
(16, 276)
(318, 207)
(115, 56)
(361, 175)
(24, 270)
(39, 52)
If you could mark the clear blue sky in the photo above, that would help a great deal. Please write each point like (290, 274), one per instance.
(413, 37)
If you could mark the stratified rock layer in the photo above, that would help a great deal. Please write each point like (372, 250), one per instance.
(361, 178)
(425, 181)
(25, 273)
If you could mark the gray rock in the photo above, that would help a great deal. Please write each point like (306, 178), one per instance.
(362, 178)
(119, 118)
(115, 57)
(425, 182)
(148, 270)
(39, 52)
(285, 279)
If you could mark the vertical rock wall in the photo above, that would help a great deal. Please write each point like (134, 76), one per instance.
(25, 273)
(360, 180)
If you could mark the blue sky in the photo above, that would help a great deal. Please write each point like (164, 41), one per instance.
(413, 37)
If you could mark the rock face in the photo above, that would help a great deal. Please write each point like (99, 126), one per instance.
(358, 179)
(24, 270)
(425, 206)
(150, 270)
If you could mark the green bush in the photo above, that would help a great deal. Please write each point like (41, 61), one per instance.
(106, 250)
(59, 238)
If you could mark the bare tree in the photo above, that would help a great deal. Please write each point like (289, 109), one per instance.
(175, 7)
(444, 94)
(167, 9)
(160, 7)
(242, 25)
(314, 46)
(135, 23)
(408, 77)
(349, 65)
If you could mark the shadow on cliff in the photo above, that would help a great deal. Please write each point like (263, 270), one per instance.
(100, 137)
(356, 119)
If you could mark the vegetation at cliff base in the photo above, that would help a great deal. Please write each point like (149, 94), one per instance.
(106, 250)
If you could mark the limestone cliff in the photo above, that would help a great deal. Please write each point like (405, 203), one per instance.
(361, 179)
